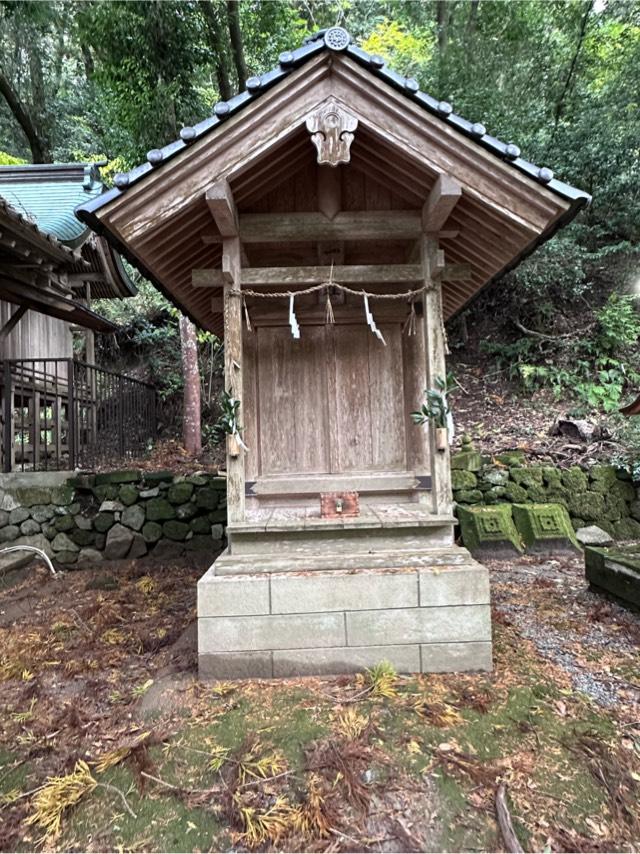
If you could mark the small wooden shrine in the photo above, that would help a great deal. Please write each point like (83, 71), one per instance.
(326, 222)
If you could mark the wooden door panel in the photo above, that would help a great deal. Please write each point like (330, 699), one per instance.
(388, 416)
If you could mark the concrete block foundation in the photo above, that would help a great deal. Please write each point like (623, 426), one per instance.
(421, 618)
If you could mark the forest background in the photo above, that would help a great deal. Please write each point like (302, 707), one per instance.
(108, 81)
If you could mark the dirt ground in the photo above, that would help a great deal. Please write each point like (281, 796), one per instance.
(107, 740)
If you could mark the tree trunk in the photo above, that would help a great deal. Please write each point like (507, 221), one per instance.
(560, 103)
(235, 34)
(191, 435)
(212, 20)
(40, 152)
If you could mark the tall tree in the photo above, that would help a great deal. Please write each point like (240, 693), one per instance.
(191, 413)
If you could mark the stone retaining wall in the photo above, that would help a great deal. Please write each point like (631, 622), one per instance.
(124, 514)
(600, 495)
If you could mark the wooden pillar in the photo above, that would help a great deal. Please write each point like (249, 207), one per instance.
(231, 264)
(435, 368)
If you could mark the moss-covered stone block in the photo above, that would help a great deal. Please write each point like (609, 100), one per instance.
(201, 543)
(574, 479)
(133, 517)
(576, 524)
(493, 476)
(467, 458)
(207, 499)
(545, 528)
(128, 494)
(179, 493)
(634, 509)
(552, 476)
(624, 490)
(28, 496)
(197, 479)
(556, 495)
(159, 510)
(616, 570)
(626, 529)
(9, 533)
(489, 531)
(468, 496)
(175, 530)
(106, 492)
(586, 505)
(462, 480)
(511, 459)
(103, 522)
(614, 508)
(219, 515)
(64, 523)
(515, 493)
(152, 532)
(62, 495)
(200, 525)
(124, 476)
(83, 538)
(218, 483)
(605, 474)
(536, 494)
(526, 477)
(155, 477)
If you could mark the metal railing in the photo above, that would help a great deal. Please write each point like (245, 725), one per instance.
(60, 414)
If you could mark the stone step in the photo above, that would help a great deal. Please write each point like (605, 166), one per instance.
(274, 562)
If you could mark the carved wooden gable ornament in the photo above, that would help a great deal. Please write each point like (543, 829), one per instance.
(332, 132)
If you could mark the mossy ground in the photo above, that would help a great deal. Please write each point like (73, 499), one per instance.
(417, 769)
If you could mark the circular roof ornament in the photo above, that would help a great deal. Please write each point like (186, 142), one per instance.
(411, 85)
(337, 38)
(445, 108)
(253, 84)
(221, 109)
(187, 134)
(286, 58)
(121, 180)
(478, 129)
(512, 151)
(376, 61)
(155, 156)
(545, 175)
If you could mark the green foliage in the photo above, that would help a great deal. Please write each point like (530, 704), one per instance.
(227, 424)
(436, 408)
(10, 160)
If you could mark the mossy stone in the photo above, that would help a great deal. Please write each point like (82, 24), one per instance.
(634, 509)
(626, 529)
(17, 516)
(614, 507)
(526, 477)
(462, 480)
(66, 558)
(175, 530)
(466, 461)
(604, 473)
(514, 493)
(586, 505)
(83, 538)
(511, 459)
(544, 528)
(62, 495)
(179, 493)
(489, 531)
(219, 515)
(551, 476)
(29, 527)
(159, 510)
(469, 496)
(133, 517)
(128, 494)
(575, 479)
(155, 477)
(28, 496)
(556, 495)
(106, 492)
(49, 531)
(536, 494)
(207, 499)
(64, 523)
(201, 543)
(624, 490)
(494, 476)
(578, 523)
(186, 511)
(103, 521)
(151, 531)
(200, 525)
(218, 483)
(42, 512)
(125, 476)
(197, 479)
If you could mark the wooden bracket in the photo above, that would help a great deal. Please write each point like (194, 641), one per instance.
(223, 208)
(332, 132)
(443, 197)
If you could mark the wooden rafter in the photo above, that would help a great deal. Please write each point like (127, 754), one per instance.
(442, 200)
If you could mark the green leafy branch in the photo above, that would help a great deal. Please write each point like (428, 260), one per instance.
(227, 424)
(436, 408)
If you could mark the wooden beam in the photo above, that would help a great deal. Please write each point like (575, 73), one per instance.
(353, 274)
(13, 321)
(329, 191)
(410, 217)
(442, 200)
(223, 208)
